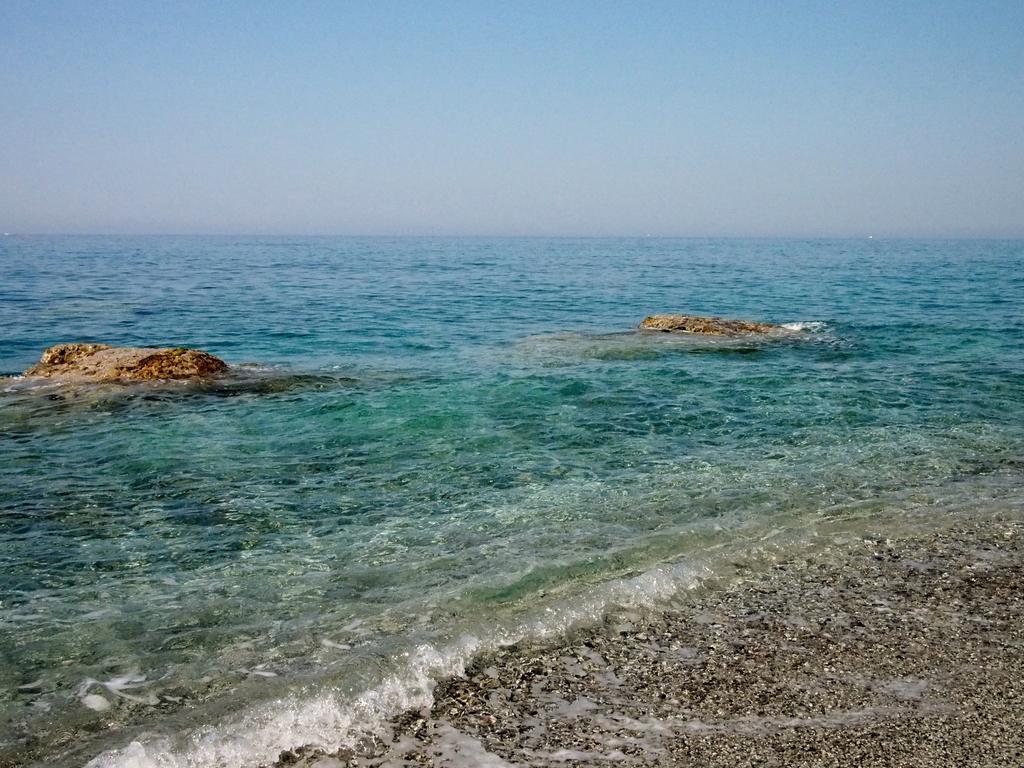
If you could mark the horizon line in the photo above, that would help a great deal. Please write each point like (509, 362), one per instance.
(522, 236)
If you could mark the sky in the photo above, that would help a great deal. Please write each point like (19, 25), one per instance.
(513, 118)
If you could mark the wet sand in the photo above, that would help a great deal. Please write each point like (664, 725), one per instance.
(905, 652)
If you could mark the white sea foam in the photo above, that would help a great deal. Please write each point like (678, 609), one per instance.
(333, 719)
(805, 325)
(460, 750)
(326, 721)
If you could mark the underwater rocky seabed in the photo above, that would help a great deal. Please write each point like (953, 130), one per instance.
(439, 446)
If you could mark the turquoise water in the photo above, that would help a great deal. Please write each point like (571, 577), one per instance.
(435, 445)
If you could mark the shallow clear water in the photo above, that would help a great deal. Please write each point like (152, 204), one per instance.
(437, 444)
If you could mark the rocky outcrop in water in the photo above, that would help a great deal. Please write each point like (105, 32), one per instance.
(715, 326)
(102, 362)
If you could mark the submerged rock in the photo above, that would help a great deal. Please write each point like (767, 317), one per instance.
(102, 362)
(715, 326)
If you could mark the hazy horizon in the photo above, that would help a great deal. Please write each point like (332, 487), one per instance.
(488, 236)
(455, 119)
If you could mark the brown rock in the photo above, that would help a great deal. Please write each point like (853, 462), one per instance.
(717, 326)
(102, 362)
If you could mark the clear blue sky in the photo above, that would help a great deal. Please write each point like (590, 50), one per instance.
(853, 118)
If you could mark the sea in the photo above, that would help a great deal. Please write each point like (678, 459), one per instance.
(433, 447)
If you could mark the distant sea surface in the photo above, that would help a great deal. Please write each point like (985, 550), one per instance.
(435, 446)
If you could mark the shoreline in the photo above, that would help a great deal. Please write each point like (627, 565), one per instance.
(893, 652)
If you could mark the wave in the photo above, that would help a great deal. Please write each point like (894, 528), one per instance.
(322, 721)
(331, 719)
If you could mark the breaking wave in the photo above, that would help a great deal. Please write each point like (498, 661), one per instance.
(334, 718)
